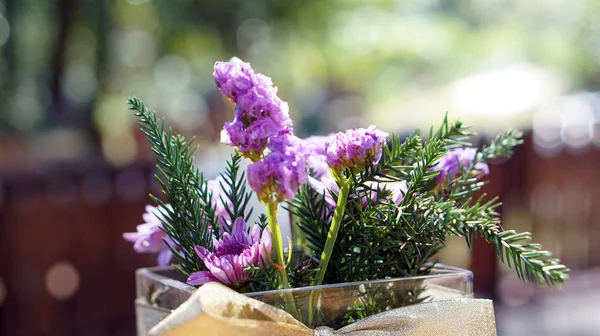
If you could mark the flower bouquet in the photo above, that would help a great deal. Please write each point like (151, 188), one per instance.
(369, 211)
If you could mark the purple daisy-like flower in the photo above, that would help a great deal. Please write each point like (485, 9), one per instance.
(355, 148)
(451, 163)
(280, 173)
(149, 235)
(232, 254)
(259, 114)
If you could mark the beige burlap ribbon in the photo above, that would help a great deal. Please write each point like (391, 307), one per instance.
(215, 310)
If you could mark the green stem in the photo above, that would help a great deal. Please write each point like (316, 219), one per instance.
(277, 242)
(338, 215)
(280, 265)
(336, 223)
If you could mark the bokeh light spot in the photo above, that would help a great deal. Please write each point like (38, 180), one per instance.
(172, 73)
(80, 83)
(62, 280)
(254, 36)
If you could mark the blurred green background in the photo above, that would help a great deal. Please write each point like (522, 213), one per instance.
(68, 65)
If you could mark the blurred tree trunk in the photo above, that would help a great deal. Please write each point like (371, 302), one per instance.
(58, 105)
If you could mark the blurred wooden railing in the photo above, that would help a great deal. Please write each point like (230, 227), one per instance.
(64, 265)
(65, 269)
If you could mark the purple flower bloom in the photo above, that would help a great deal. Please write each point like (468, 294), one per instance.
(149, 236)
(355, 148)
(233, 79)
(232, 254)
(259, 114)
(316, 143)
(451, 163)
(281, 172)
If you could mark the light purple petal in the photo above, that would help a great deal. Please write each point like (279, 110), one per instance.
(483, 167)
(265, 241)
(229, 270)
(131, 236)
(200, 278)
(255, 234)
(164, 257)
(202, 252)
(239, 230)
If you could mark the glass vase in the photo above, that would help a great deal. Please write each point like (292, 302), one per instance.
(160, 290)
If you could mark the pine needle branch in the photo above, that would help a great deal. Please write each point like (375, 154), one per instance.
(514, 249)
(185, 189)
(501, 146)
(234, 188)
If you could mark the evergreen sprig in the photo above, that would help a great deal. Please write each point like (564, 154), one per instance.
(514, 249)
(501, 146)
(191, 218)
(190, 214)
(234, 188)
(380, 239)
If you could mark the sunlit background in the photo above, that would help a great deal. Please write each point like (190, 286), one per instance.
(75, 171)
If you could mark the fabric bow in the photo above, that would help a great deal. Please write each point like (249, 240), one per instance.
(216, 310)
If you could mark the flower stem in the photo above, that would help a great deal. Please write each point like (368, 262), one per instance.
(338, 215)
(277, 242)
(280, 265)
(336, 223)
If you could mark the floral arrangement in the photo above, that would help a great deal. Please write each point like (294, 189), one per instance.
(368, 205)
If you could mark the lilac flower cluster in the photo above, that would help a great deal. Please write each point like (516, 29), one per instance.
(262, 122)
(355, 148)
(259, 114)
(277, 177)
(232, 254)
(451, 163)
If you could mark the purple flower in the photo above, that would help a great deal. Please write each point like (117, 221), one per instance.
(149, 236)
(259, 114)
(280, 173)
(451, 163)
(355, 148)
(232, 254)
(316, 143)
(317, 162)
(233, 79)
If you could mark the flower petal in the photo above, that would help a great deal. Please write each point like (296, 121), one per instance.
(266, 243)
(202, 252)
(240, 230)
(164, 257)
(255, 234)
(200, 278)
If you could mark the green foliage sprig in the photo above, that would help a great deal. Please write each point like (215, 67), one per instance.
(383, 239)
(191, 216)
(184, 187)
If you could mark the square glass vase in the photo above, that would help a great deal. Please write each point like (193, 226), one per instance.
(162, 289)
